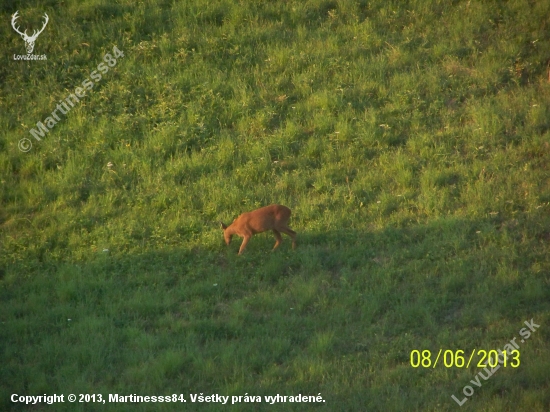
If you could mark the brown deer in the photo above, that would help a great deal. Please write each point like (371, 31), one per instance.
(272, 217)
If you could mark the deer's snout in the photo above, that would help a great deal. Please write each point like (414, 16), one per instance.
(228, 239)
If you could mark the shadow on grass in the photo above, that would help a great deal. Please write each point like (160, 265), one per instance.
(344, 302)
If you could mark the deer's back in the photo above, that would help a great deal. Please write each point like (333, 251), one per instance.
(265, 218)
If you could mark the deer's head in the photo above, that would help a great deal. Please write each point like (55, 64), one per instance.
(29, 40)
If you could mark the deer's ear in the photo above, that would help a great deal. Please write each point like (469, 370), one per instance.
(224, 226)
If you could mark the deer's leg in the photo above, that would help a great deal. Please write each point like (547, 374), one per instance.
(243, 245)
(278, 237)
(290, 233)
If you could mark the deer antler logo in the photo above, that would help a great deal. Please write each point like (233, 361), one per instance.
(29, 40)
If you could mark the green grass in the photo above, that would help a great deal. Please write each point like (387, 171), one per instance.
(410, 139)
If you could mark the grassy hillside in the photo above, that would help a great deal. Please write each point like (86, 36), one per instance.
(410, 139)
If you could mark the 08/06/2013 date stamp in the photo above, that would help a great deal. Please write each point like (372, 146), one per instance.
(458, 360)
(509, 356)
